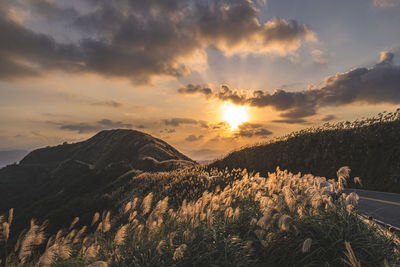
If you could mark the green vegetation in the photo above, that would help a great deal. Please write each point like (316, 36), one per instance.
(193, 218)
(371, 147)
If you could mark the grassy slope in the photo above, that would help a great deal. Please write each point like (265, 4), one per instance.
(370, 147)
(186, 218)
(50, 183)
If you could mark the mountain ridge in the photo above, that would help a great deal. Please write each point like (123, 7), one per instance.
(57, 181)
(370, 147)
(109, 146)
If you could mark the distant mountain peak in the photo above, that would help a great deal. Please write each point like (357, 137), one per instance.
(129, 147)
(56, 181)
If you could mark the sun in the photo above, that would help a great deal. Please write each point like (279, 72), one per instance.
(234, 115)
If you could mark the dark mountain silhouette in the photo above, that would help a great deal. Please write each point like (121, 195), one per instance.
(370, 147)
(129, 147)
(78, 179)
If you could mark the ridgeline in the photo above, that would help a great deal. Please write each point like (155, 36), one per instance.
(60, 182)
(371, 147)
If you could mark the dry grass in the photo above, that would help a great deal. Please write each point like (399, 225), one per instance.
(221, 218)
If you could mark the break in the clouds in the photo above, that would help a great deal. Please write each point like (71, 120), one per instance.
(138, 40)
(375, 85)
(85, 127)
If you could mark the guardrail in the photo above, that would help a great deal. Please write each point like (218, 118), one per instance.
(389, 226)
(393, 230)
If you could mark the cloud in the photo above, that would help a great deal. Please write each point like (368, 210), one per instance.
(53, 13)
(215, 139)
(319, 57)
(176, 122)
(10, 70)
(194, 89)
(193, 138)
(386, 57)
(220, 125)
(329, 117)
(291, 121)
(114, 124)
(138, 40)
(80, 127)
(379, 84)
(252, 129)
(108, 103)
(386, 3)
(85, 127)
(168, 131)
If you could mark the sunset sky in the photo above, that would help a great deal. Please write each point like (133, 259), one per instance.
(205, 76)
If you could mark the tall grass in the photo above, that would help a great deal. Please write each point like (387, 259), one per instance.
(219, 218)
(370, 146)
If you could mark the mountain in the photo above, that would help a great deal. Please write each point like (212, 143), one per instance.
(78, 179)
(11, 156)
(370, 147)
(132, 148)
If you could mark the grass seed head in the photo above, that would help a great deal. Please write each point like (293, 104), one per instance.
(306, 245)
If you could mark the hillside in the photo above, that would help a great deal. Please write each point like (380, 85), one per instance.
(58, 183)
(371, 147)
(90, 206)
(191, 217)
(128, 147)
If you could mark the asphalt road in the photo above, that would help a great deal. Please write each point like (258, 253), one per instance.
(380, 205)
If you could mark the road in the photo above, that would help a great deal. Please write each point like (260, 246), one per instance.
(380, 205)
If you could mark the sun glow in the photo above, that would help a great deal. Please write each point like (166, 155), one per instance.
(234, 115)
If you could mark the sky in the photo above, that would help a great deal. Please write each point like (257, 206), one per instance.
(206, 76)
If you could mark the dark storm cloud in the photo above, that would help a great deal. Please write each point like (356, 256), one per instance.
(176, 122)
(139, 39)
(85, 127)
(252, 129)
(26, 53)
(193, 138)
(376, 85)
